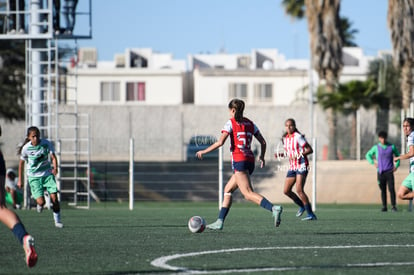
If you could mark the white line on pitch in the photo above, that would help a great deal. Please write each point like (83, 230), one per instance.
(161, 262)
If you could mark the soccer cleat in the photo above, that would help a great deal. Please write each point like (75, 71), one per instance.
(277, 213)
(56, 217)
(310, 218)
(217, 225)
(28, 246)
(300, 212)
(59, 225)
(394, 209)
(39, 208)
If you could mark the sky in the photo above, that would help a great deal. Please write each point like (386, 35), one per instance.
(183, 27)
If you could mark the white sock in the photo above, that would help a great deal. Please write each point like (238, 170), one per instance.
(56, 217)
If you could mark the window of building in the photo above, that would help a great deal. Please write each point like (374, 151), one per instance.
(238, 90)
(110, 91)
(263, 92)
(243, 62)
(135, 91)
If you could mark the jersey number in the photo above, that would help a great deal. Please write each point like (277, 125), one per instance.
(244, 140)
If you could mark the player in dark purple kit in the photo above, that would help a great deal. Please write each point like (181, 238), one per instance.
(382, 156)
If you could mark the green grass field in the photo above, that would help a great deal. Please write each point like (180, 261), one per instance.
(153, 238)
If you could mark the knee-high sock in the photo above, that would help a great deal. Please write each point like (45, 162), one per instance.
(19, 231)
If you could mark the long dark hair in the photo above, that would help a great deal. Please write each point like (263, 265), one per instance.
(410, 120)
(26, 140)
(238, 105)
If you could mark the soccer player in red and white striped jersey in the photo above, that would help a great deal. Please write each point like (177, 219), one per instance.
(297, 149)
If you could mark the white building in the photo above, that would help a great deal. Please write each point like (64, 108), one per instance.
(264, 77)
(143, 77)
(139, 76)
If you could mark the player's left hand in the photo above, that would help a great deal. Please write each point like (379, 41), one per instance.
(199, 155)
(54, 171)
(262, 162)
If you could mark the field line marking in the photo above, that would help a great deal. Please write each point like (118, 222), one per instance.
(162, 262)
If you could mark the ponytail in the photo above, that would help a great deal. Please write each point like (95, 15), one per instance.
(238, 105)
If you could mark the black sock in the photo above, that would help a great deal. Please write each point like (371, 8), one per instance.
(19, 231)
(298, 202)
(308, 208)
(223, 213)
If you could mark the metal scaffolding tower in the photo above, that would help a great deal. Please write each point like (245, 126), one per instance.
(47, 86)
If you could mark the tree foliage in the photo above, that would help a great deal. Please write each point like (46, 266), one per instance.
(350, 96)
(401, 25)
(296, 10)
(347, 32)
(325, 38)
(387, 76)
(348, 99)
(12, 80)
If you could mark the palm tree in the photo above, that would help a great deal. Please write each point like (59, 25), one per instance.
(401, 25)
(326, 51)
(382, 72)
(328, 34)
(296, 10)
(347, 32)
(351, 96)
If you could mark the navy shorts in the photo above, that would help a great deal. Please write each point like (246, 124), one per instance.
(243, 166)
(293, 173)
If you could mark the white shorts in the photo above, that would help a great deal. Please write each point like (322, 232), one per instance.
(12, 184)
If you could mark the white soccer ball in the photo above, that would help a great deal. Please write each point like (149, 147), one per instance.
(196, 224)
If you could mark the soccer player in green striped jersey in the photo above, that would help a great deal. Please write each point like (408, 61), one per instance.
(41, 170)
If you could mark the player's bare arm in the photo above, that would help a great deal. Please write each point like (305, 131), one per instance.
(20, 177)
(407, 155)
(213, 146)
(54, 163)
(262, 141)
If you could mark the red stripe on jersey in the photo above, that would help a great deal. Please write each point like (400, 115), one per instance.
(294, 145)
(241, 140)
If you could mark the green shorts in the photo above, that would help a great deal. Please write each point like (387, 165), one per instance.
(39, 184)
(409, 181)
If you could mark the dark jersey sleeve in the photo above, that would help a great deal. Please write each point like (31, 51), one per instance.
(2, 180)
(2, 165)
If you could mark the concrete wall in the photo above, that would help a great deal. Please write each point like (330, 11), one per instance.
(337, 182)
(162, 132)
